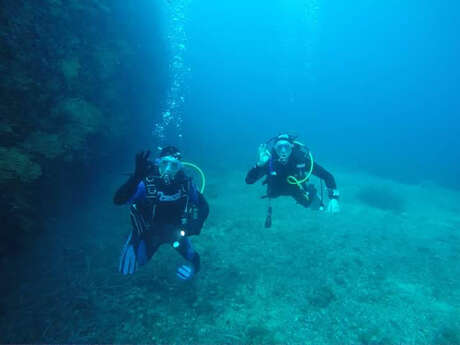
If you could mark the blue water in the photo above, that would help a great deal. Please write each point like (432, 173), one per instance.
(376, 90)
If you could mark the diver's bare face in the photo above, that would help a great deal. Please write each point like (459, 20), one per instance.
(283, 149)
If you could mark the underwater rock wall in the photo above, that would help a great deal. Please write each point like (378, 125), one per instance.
(65, 66)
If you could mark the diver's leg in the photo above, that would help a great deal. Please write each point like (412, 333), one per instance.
(186, 250)
(139, 247)
(147, 247)
(128, 260)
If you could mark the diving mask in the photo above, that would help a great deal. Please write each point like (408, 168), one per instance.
(283, 149)
(169, 167)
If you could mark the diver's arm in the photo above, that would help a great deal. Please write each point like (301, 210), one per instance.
(260, 169)
(130, 191)
(255, 174)
(325, 175)
(197, 217)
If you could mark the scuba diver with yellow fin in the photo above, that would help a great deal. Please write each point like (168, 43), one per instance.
(165, 207)
(288, 165)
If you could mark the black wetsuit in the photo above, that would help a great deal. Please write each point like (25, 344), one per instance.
(298, 165)
(160, 210)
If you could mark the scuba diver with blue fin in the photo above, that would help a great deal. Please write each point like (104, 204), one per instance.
(288, 165)
(165, 207)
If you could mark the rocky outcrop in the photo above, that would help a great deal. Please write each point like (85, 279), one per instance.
(68, 70)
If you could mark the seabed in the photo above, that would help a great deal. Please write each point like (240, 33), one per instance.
(384, 271)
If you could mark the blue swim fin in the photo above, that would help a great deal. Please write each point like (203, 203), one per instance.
(128, 259)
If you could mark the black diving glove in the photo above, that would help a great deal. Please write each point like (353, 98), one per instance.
(142, 165)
